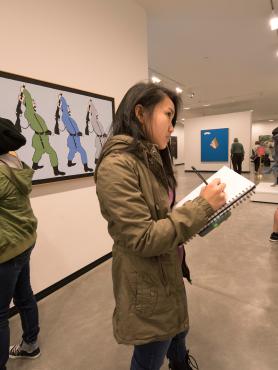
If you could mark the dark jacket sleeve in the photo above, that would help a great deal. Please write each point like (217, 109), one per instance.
(129, 219)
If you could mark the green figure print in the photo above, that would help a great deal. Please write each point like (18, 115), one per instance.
(40, 140)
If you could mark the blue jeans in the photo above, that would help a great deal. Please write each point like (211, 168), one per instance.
(15, 284)
(150, 356)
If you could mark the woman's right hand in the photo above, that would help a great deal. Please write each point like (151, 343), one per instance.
(214, 194)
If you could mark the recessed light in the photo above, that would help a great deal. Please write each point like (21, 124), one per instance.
(155, 80)
(186, 108)
(182, 119)
(179, 90)
(271, 120)
(273, 22)
(206, 105)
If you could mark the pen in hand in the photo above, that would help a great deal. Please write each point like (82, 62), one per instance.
(198, 174)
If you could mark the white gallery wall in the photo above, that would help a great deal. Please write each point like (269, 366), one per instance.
(179, 133)
(92, 45)
(239, 125)
(262, 128)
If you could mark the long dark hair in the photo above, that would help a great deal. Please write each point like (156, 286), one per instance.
(126, 122)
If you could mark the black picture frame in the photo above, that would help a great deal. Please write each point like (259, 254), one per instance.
(65, 127)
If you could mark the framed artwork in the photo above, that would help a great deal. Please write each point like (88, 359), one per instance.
(174, 146)
(215, 145)
(266, 142)
(65, 128)
(265, 139)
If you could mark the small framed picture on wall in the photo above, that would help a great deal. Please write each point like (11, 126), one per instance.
(215, 145)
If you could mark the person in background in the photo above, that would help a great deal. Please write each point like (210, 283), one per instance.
(256, 156)
(274, 167)
(274, 234)
(17, 238)
(135, 186)
(266, 160)
(237, 155)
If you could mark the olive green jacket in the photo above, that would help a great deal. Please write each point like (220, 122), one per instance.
(17, 222)
(147, 278)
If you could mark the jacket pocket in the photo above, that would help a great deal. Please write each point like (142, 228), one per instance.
(146, 296)
(163, 276)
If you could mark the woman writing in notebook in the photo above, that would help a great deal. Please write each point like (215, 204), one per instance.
(136, 189)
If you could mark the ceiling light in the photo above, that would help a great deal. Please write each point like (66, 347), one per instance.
(182, 119)
(271, 120)
(155, 80)
(179, 90)
(206, 105)
(273, 22)
(186, 108)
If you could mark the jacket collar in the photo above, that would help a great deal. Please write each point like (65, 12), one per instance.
(144, 150)
(150, 154)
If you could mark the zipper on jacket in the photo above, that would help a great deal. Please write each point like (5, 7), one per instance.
(157, 211)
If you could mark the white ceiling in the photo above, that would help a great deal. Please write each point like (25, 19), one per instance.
(222, 50)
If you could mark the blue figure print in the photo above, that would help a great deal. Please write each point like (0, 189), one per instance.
(73, 141)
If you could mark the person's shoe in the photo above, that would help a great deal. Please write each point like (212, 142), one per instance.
(71, 163)
(16, 351)
(273, 237)
(36, 166)
(87, 169)
(57, 172)
(189, 363)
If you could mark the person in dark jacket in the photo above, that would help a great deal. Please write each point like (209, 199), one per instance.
(237, 155)
(17, 238)
(274, 168)
(135, 185)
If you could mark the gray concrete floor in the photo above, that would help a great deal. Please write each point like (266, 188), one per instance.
(233, 303)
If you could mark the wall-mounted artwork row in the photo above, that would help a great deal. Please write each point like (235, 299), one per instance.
(215, 145)
(65, 128)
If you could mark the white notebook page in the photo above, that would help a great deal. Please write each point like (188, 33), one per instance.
(236, 185)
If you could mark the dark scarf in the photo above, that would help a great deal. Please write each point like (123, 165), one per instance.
(150, 155)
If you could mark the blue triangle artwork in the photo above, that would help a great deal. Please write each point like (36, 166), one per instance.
(214, 145)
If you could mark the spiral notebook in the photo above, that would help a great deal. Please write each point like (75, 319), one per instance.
(238, 189)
